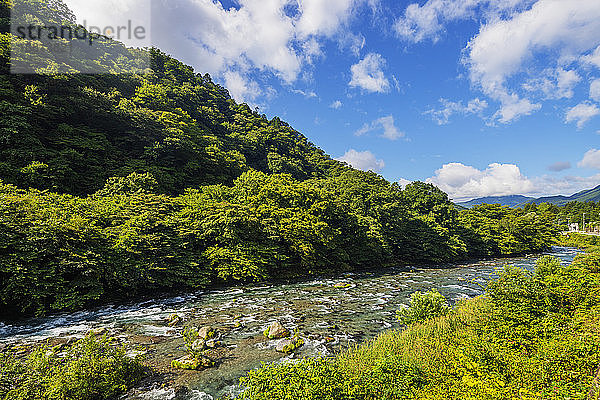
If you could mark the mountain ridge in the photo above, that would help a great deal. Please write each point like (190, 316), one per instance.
(592, 194)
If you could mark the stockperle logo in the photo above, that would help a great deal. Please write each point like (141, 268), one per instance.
(80, 36)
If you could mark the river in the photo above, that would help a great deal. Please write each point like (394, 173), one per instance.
(327, 317)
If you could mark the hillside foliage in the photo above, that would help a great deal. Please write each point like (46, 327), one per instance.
(62, 252)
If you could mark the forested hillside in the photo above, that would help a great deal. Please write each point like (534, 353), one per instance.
(115, 185)
(70, 132)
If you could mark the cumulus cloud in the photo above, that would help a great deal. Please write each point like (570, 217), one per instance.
(240, 88)
(214, 39)
(595, 90)
(363, 160)
(384, 124)
(554, 84)
(272, 37)
(336, 105)
(582, 113)
(504, 48)
(559, 166)
(427, 21)
(442, 116)
(319, 17)
(105, 13)
(513, 107)
(368, 74)
(592, 58)
(591, 159)
(404, 182)
(462, 181)
(501, 58)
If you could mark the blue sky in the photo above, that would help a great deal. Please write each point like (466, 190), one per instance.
(480, 97)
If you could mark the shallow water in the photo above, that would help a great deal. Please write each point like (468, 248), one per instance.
(328, 318)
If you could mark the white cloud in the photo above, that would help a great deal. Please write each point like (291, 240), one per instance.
(368, 74)
(462, 181)
(213, 39)
(112, 13)
(593, 58)
(404, 182)
(554, 84)
(422, 22)
(309, 94)
(363, 160)
(385, 124)
(336, 105)
(311, 49)
(504, 48)
(513, 108)
(389, 129)
(449, 108)
(595, 90)
(355, 43)
(566, 82)
(240, 88)
(276, 37)
(567, 185)
(591, 159)
(582, 113)
(322, 17)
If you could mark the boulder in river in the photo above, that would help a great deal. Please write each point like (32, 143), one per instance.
(174, 320)
(99, 331)
(206, 332)
(276, 331)
(213, 343)
(289, 345)
(198, 345)
(342, 285)
(192, 363)
(182, 393)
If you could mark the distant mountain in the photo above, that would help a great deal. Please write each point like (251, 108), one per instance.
(517, 200)
(585, 195)
(511, 201)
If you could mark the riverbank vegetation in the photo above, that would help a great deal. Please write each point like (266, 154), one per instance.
(531, 336)
(90, 369)
(63, 252)
(573, 212)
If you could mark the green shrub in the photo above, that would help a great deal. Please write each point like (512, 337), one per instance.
(314, 379)
(590, 262)
(424, 306)
(91, 369)
(546, 266)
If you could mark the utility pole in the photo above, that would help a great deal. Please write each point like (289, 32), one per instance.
(583, 228)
